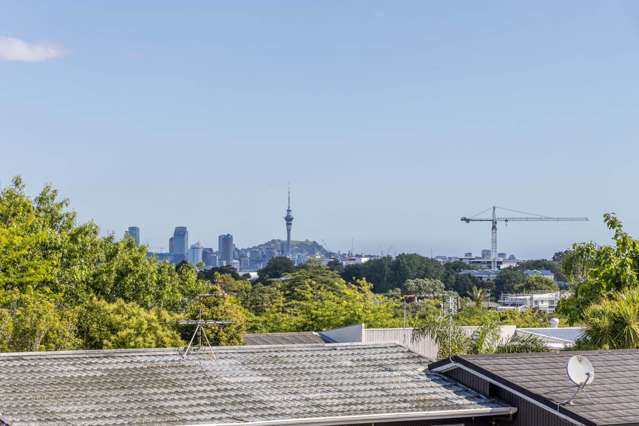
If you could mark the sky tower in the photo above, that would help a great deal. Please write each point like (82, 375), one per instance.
(289, 224)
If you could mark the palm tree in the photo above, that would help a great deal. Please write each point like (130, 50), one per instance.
(478, 295)
(614, 323)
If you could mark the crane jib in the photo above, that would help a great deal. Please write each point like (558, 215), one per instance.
(494, 219)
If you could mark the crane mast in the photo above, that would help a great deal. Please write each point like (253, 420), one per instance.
(494, 219)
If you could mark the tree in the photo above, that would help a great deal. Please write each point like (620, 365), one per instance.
(508, 279)
(36, 321)
(521, 344)
(104, 325)
(485, 339)
(599, 272)
(409, 266)
(218, 305)
(315, 298)
(277, 267)
(386, 273)
(535, 283)
(54, 270)
(423, 286)
(614, 323)
(478, 295)
(453, 340)
(210, 274)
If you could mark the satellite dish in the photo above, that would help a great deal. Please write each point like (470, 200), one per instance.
(580, 370)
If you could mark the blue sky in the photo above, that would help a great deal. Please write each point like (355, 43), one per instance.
(390, 119)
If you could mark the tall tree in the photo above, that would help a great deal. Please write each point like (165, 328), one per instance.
(277, 267)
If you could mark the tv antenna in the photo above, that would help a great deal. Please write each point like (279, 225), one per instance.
(200, 332)
(452, 310)
(581, 372)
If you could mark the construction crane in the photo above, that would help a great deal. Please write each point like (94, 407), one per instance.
(530, 218)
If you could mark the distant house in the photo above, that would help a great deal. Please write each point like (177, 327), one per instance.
(543, 300)
(249, 385)
(545, 273)
(538, 386)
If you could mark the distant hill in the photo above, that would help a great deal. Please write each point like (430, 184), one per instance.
(305, 248)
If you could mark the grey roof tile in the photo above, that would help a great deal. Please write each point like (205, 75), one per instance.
(244, 384)
(613, 397)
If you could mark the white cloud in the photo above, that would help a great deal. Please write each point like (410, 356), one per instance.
(13, 49)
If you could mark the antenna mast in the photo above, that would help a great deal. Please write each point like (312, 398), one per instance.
(200, 331)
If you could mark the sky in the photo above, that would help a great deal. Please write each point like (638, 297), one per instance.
(390, 119)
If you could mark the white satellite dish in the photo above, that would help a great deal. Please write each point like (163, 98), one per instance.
(580, 370)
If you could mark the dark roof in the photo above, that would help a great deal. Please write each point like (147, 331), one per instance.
(612, 399)
(327, 384)
(293, 338)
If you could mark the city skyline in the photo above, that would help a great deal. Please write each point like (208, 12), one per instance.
(392, 120)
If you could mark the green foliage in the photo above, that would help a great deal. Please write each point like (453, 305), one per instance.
(62, 286)
(218, 305)
(104, 325)
(535, 283)
(614, 323)
(36, 321)
(277, 267)
(600, 273)
(521, 344)
(386, 273)
(423, 286)
(316, 298)
(508, 279)
(451, 338)
(478, 295)
(211, 273)
(474, 315)
(485, 339)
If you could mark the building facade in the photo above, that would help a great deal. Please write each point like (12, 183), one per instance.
(195, 253)
(225, 248)
(180, 245)
(134, 232)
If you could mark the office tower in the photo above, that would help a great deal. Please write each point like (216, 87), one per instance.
(134, 232)
(195, 253)
(225, 249)
(288, 219)
(180, 244)
(209, 257)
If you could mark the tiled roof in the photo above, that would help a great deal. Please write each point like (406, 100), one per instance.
(258, 384)
(294, 338)
(613, 397)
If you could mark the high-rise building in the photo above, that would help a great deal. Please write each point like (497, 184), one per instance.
(180, 246)
(288, 219)
(195, 253)
(486, 254)
(209, 257)
(134, 232)
(225, 249)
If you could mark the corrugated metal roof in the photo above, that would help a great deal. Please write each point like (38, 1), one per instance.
(563, 334)
(296, 384)
(612, 399)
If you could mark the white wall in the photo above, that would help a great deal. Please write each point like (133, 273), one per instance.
(402, 336)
